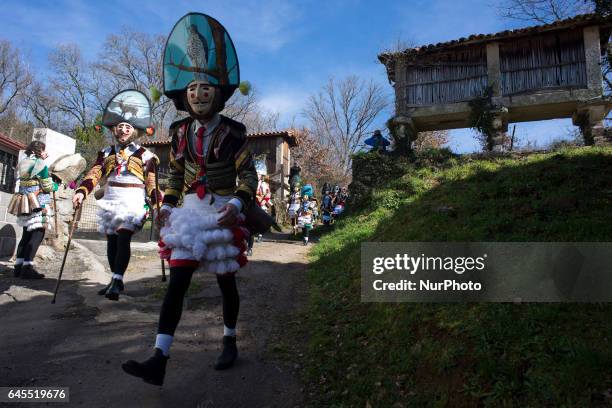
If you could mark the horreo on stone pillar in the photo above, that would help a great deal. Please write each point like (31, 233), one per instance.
(535, 73)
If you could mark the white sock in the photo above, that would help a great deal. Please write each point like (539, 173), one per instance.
(117, 276)
(306, 239)
(18, 261)
(164, 342)
(229, 332)
(28, 262)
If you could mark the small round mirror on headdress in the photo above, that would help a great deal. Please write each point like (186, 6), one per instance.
(129, 106)
(199, 49)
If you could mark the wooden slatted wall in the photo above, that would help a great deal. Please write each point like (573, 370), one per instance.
(543, 62)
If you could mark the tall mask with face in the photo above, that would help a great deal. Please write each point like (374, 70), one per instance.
(203, 100)
(127, 115)
(201, 70)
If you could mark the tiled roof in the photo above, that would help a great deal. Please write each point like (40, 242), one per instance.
(290, 134)
(388, 58)
(11, 144)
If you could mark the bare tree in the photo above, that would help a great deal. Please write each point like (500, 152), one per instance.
(316, 162)
(341, 115)
(133, 60)
(15, 76)
(41, 106)
(12, 124)
(71, 83)
(543, 11)
(248, 110)
(430, 140)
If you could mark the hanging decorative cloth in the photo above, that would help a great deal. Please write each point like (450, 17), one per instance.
(201, 179)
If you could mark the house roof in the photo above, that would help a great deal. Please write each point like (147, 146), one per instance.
(582, 20)
(290, 135)
(10, 144)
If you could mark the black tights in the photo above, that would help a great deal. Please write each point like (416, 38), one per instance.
(118, 251)
(172, 308)
(29, 243)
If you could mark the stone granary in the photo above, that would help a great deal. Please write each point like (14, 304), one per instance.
(535, 73)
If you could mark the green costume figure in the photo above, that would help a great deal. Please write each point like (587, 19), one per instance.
(31, 206)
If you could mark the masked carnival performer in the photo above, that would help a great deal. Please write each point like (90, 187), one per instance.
(130, 172)
(306, 217)
(31, 206)
(327, 205)
(208, 155)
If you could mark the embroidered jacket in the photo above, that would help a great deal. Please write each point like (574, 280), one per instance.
(226, 158)
(34, 172)
(132, 162)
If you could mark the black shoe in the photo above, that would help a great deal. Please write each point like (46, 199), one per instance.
(28, 272)
(114, 289)
(17, 270)
(305, 242)
(102, 291)
(151, 371)
(228, 355)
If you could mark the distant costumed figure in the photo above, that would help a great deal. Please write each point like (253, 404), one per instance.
(295, 183)
(306, 211)
(263, 197)
(31, 206)
(208, 155)
(340, 201)
(130, 172)
(327, 205)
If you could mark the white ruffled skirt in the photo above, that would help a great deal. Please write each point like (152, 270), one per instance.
(121, 208)
(193, 235)
(32, 221)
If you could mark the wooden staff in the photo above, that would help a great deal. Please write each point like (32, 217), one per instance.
(157, 204)
(75, 220)
(56, 215)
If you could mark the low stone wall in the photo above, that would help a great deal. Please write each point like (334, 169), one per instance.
(371, 170)
(10, 232)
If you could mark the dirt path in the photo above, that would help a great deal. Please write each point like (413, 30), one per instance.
(82, 340)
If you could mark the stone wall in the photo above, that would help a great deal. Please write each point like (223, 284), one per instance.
(371, 170)
(10, 232)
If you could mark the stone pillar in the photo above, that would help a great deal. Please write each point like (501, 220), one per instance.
(592, 51)
(590, 119)
(494, 68)
(500, 124)
(408, 131)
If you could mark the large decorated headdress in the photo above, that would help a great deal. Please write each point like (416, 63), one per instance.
(199, 49)
(129, 106)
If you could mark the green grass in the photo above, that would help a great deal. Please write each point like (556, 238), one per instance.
(464, 355)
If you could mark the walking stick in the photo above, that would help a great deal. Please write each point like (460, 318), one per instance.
(157, 204)
(75, 220)
(55, 215)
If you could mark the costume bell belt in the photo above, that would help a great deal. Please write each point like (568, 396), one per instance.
(126, 185)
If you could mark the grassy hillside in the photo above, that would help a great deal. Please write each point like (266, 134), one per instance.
(394, 355)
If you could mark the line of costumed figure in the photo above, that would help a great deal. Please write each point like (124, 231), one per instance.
(303, 208)
(208, 210)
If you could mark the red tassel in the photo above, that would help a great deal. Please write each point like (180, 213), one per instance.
(201, 191)
(242, 246)
(239, 236)
(242, 260)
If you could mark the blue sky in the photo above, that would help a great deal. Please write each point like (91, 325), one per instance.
(286, 49)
